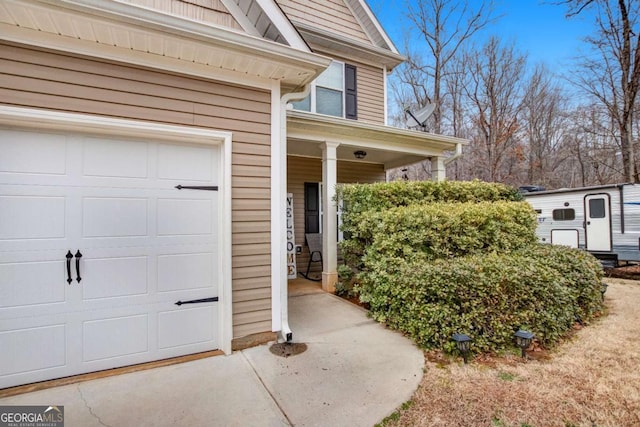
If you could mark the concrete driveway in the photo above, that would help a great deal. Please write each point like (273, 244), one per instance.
(353, 373)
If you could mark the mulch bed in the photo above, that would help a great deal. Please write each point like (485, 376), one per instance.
(631, 272)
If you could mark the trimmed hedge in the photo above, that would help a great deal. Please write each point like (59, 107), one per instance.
(438, 258)
(581, 271)
(365, 205)
(542, 288)
(446, 230)
(380, 196)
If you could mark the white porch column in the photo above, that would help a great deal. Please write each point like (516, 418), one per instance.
(329, 217)
(438, 170)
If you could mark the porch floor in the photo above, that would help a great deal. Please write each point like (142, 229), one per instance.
(301, 286)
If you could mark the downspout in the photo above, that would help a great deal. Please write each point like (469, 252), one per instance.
(457, 154)
(385, 79)
(285, 331)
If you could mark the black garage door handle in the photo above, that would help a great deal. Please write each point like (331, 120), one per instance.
(69, 256)
(78, 256)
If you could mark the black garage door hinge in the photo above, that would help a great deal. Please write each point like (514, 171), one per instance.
(197, 301)
(197, 187)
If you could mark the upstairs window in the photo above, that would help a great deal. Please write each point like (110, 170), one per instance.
(333, 93)
(330, 91)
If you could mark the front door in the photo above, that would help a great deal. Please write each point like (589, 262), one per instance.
(597, 222)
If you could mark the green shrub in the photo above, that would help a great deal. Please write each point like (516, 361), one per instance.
(488, 296)
(439, 258)
(446, 230)
(363, 197)
(582, 271)
(344, 286)
(440, 219)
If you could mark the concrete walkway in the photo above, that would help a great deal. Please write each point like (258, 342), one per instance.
(353, 373)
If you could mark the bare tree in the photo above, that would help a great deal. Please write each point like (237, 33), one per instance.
(456, 80)
(593, 147)
(612, 75)
(495, 92)
(445, 26)
(544, 122)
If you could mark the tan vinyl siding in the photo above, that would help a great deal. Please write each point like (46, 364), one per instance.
(358, 172)
(253, 324)
(207, 11)
(305, 169)
(332, 15)
(251, 295)
(55, 81)
(370, 82)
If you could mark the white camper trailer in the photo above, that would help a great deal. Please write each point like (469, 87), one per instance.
(604, 220)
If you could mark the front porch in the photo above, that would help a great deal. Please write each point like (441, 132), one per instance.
(301, 286)
(323, 151)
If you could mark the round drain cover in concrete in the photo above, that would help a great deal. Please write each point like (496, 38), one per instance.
(287, 349)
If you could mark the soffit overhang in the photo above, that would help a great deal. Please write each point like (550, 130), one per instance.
(386, 145)
(121, 28)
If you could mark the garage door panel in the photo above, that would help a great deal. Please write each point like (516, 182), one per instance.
(32, 217)
(189, 163)
(31, 153)
(32, 283)
(114, 158)
(187, 326)
(115, 337)
(180, 217)
(179, 272)
(145, 245)
(31, 349)
(114, 277)
(114, 217)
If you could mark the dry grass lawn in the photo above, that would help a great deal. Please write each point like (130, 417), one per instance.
(592, 380)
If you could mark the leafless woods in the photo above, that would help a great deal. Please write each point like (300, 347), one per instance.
(526, 125)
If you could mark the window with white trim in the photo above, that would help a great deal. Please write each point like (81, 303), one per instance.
(334, 89)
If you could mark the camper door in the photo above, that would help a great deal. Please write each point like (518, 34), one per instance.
(597, 222)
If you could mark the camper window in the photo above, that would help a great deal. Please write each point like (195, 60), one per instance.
(564, 214)
(596, 208)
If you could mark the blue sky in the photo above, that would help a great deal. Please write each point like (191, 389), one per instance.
(537, 27)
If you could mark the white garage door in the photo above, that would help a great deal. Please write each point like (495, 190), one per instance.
(97, 246)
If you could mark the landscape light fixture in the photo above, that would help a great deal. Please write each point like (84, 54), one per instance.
(360, 154)
(463, 342)
(523, 340)
(603, 289)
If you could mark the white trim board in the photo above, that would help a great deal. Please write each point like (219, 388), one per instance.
(112, 53)
(284, 25)
(278, 209)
